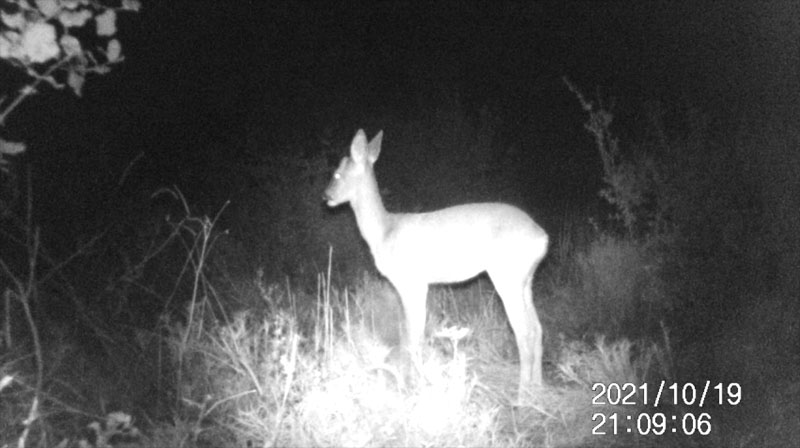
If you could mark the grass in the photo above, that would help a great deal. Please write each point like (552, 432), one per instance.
(322, 367)
(268, 380)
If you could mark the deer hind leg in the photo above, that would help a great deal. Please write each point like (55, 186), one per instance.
(536, 331)
(517, 295)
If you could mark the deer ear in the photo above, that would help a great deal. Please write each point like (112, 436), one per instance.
(358, 149)
(375, 147)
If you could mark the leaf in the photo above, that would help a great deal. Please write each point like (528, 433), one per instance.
(39, 42)
(71, 45)
(16, 21)
(9, 42)
(73, 4)
(73, 19)
(5, 381)
(106, 23)
(75, 81)
(114, 50)
(131, 5)
(11, 148)
(48, 8)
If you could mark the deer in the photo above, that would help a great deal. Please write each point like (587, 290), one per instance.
(451, 245)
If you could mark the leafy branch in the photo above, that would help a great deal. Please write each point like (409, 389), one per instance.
(41, 39)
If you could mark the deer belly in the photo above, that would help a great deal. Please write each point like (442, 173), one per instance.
(428, 266)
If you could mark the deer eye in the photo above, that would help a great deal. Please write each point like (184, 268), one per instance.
(337, 176)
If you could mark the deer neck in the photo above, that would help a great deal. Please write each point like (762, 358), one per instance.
(371, 216)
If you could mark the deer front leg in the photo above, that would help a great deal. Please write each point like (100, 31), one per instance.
(414, 297)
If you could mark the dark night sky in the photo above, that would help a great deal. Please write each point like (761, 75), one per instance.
(199, 75)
